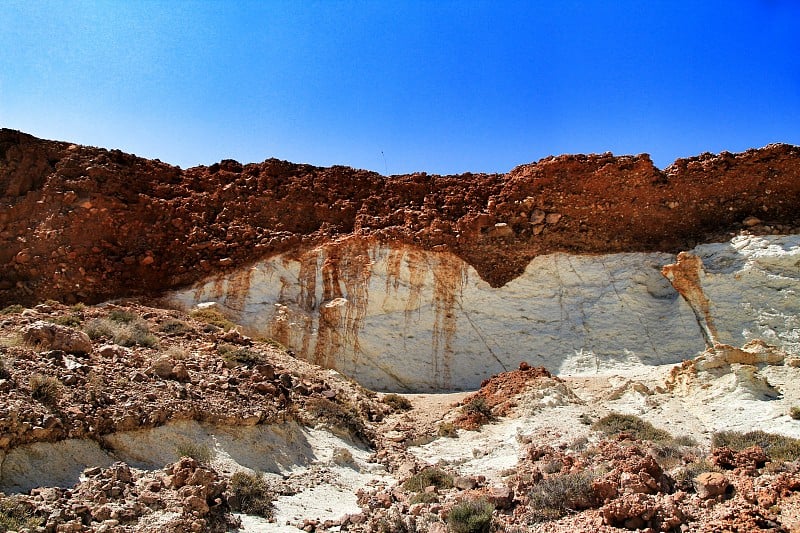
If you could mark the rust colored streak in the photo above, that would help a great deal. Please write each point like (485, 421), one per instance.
(449, 278)
(238, 289)
(685, 277)
(307, 279)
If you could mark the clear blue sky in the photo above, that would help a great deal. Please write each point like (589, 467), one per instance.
(441, 87)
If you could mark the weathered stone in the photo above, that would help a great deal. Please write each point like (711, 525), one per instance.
(56, 337)
(710, 484)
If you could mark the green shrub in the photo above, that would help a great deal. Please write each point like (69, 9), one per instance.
(471, 516)
(337, 415)
(447, 429)
(777, 447)
(45, 389)
(794, 412)
(554, 496)
(13, 309)
(397, 402)
(16, 515)
(429, 477)
(213, 317)
(78, 307)
(251, 494)
(616, 423)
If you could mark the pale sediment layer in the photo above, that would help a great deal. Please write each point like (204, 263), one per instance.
(397, 317)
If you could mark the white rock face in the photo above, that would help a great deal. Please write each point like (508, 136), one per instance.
(403, 319)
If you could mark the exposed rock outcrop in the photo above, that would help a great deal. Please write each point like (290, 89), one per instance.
(398, 317)
(90, 224)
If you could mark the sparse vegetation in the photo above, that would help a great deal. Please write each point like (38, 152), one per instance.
(425, 497)
(616, 423)
(251, 494)
(397, 402)
(671, 453)
(15, 515)
(684, 476)
(448, 429)
(398, 523)
(174, 327)
(72, 321)
(337, 415)
(12, 309)
(132, 333)
(478, 406)
(471, 516)
(237, 355)
(199, 452)
(429, 477)
(794, 412)
(177, 353)
(554, 496)
(122, 316)
(212, 316)
(777, 447)
(45, 389)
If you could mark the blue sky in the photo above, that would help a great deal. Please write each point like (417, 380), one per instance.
(441, 87)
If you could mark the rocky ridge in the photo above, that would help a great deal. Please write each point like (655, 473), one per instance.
(89, 224)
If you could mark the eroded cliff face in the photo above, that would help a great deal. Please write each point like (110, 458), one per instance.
(89, 224)
(405, 319)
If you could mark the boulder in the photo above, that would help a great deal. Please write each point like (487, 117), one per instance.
(55, 337)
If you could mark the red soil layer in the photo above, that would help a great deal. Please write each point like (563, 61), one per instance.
(84, 223)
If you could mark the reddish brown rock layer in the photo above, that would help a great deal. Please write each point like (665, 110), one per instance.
(83, 223)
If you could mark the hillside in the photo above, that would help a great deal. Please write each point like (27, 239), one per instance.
(586, 343)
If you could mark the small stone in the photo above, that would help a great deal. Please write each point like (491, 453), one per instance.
(501, 497)
(464, 482)
(538, 216)
(552, 218)
(710, 484)
(751, 221)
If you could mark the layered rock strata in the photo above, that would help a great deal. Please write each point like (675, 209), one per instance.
(406, 319)
(87, 224)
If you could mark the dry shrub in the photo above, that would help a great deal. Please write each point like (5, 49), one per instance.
(213, 317)
(777, 447)
(15, 515)
(471, 516)
(397, 402)
(554, 496)
(251, 494)
(429, 477)
(616, 423)
(338, 415)
(45, 389)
